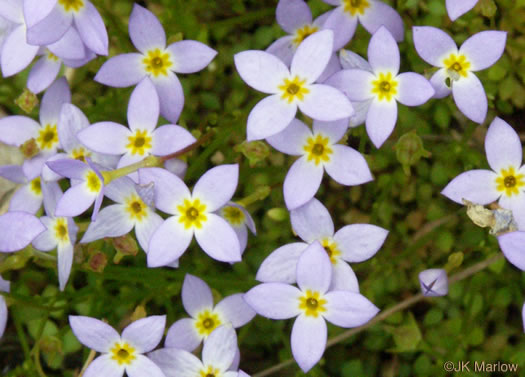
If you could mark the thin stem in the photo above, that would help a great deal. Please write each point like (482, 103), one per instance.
(38, 364)
(387, 313)
(88, 361)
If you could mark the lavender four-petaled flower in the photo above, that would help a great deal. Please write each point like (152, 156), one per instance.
(434, 282)
(383, 86)
(192, 214)
(312, 303)
(506, 180)
(156, 61)
(292, 88)
(312, 222)
(197, 299)
(318, 151)
(457, 66)
(120, 353)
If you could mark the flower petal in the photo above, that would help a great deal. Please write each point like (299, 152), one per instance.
(332, 67)
(414, 89)
(281, 265)
(52, 101)
(112, 221)
(439, 83)
(292, 14)
(190, 56)
(104, 366)
(308, 341)
(470, 97)
(65, 261)
(69, 168)
(176, 362)
(69, 47)
(261, 70)
(274, 300)
(217, 186)
(348, 309)
(335, 130)
(50, 29)
(121, 71)
(105, 137)
(220, 347)
(314, 269)
(326, 103)
(18, 230)
(312, 56)
(503, 146)
(143, 107)
(356, 84)
(343, 278)
(235, 310)
(182, 334)
(513, 247)
(359, 242)
(145, 228)
(218, 239)
(383, 52)
(24, 199)
(3, 316)
(13, 173)
(433, 44)
(143, 366)
(457, 8)
(75, 201)
(12, 11)
(171, 96)
(301, 182)
(348, 167)
(483, 49)
(292, 139)
(92, 30)
(196, 295)
(170, 190)
(16, 53)
(93, 333)
(43, 73)
(71, 121)
(283, 48)
(381, 120)
(270, 116)
(145, 30)
(380, 14)
(434, 282)
(312, 221)
(168, 243)
(169, 139)
(351, 60)
(146, 333)
(478, 186)
(342, 25)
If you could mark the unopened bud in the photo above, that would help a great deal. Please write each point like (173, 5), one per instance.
(97, 261)
(124, 245)
(29, 149)
(27, 101)
(278, 214)
(254, 151)
(409, 149)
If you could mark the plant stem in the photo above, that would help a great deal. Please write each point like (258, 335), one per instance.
(387, 313)
(88, 361)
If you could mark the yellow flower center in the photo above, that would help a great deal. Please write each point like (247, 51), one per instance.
(292, 89)
(47, 137)
(385, 87)
(123, 353)
(233, 215)
(304, 32)
(139, 143)
(210, 371)
(312, 304)
(207, 322)
(136, 208)
(51, 56)
(72, 5)
(457, 66)
(317, 149)
(61, 230)
(36, 186)
(79, 154)
(192, 213)
(355, 6)
(93, 182)
(509, 181)
(157, 62)
(331, 249)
